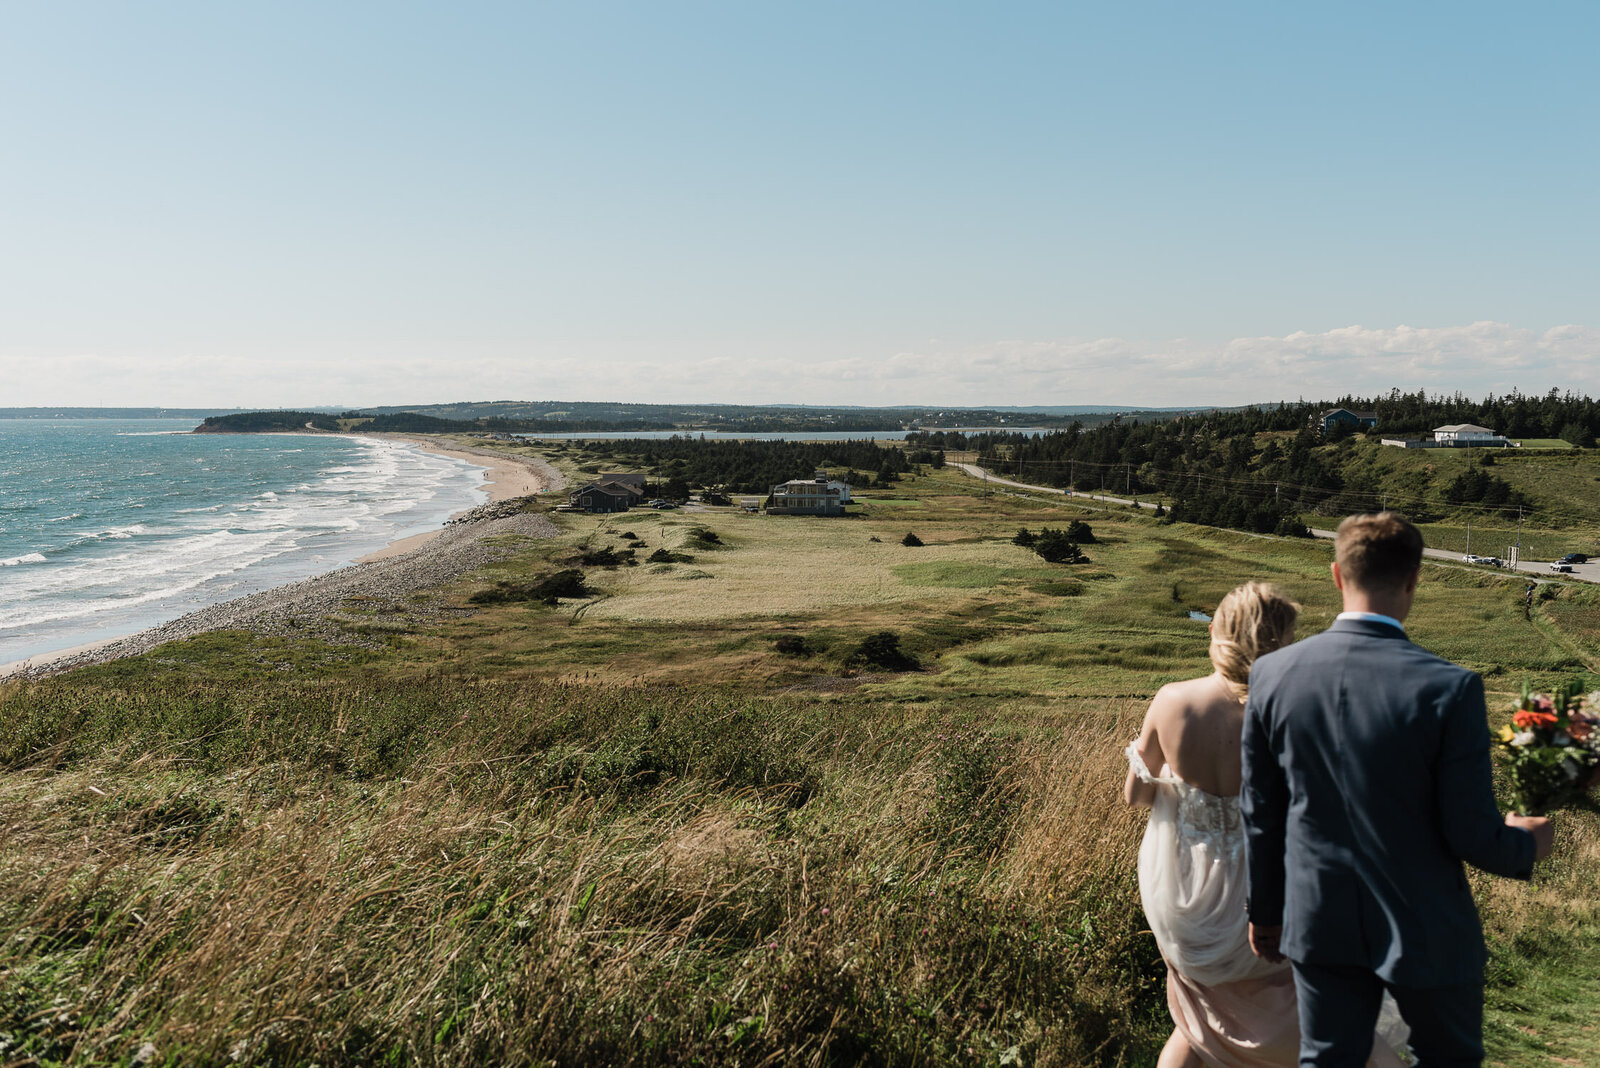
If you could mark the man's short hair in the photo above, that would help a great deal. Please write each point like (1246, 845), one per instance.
(1378, 550)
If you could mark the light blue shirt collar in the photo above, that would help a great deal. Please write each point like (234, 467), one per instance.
(1374, 617)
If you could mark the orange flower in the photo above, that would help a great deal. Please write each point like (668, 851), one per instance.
(1529, 720)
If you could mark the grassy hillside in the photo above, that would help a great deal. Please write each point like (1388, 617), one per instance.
(683, 819)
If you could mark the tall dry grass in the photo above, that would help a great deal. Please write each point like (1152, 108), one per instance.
(462, 874)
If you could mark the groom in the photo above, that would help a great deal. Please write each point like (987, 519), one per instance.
(1366, 785)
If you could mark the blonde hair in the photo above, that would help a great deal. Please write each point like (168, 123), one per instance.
(1252, 620)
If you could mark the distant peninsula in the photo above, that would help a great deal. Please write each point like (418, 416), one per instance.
(556, 417)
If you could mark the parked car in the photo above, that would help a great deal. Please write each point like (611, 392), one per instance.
(1561, 566)
(1574, 558)
(1492, 561)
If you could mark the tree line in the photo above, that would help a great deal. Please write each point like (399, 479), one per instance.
(753, 466)
(1210, 469)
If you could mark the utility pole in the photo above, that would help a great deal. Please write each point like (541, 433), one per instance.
(1519, 532)
(1469, 534)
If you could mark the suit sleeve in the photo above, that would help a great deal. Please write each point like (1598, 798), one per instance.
(1264, 802)
(1470, 818)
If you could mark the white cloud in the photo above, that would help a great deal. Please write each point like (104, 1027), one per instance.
(1476, 358)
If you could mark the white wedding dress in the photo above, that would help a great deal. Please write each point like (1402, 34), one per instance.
(1235, 1009)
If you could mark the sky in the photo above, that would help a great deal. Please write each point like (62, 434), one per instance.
(364, 203)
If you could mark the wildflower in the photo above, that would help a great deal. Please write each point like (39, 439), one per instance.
(1522, 738)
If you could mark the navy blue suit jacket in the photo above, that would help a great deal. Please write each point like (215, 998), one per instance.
(1366, 785)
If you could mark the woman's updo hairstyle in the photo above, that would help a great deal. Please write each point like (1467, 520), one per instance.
(1252, 620)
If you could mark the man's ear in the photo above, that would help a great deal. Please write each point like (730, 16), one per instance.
(1416, 577)
(1338, 579)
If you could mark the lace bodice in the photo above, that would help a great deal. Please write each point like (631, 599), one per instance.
(1200, 816)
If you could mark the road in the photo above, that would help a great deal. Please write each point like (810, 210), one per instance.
(1587, 572)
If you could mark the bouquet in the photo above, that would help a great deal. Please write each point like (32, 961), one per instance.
(1552, 748)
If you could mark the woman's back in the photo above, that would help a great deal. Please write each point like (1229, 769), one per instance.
(1194, 728)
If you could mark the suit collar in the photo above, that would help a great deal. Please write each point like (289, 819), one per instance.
(1369, 627)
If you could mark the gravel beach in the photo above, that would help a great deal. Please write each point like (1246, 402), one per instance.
(386, 581)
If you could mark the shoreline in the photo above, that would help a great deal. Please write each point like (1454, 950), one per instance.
(504, 478)
(405, 565)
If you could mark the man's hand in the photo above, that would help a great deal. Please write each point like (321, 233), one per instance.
(1544, 835)
(1264, 942)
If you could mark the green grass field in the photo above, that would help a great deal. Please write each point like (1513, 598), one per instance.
(681, 820)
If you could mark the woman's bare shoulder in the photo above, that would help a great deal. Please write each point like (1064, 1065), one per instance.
(1186, 691)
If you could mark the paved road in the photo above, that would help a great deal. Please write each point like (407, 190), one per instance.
(1540, 568)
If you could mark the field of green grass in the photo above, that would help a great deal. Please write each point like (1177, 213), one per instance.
(683, 820)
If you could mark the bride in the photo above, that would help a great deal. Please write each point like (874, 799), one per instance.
(1230, 1008)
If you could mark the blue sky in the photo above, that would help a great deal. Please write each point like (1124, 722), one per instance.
(373, 203)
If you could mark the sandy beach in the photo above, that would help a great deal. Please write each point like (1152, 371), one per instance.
(504, 478)
(388, 576)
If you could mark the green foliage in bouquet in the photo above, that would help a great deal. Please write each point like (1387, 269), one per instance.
(1552, 748)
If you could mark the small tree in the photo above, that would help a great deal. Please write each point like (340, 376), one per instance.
(1024, 538)
(1078, 531)
(911, 540)
(1577, 434)
(1057, 548)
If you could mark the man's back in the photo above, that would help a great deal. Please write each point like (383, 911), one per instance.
(1366, 784)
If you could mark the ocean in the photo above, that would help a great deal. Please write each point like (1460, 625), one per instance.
(111, 526)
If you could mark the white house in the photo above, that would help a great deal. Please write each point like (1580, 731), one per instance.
(816, 496)
(1466, 434)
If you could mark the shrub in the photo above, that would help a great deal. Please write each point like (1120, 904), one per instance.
(704, 538)
(1078, 531)
(667, 556)
(1289, 527)
(549, 589)
(793, 645)
(911, 540)
(1057, 548)
(1024, 538)
(882, 649)
(607, 557)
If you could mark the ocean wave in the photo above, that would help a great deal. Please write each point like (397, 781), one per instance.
(250, 520)
(123, 533)
(64, 518)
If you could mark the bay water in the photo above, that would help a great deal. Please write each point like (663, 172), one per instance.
(110, 526)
